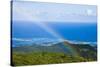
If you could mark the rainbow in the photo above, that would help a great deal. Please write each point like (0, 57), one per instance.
(71, 48)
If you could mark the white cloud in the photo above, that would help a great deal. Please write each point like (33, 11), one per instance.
(20, 39)
(46, 12)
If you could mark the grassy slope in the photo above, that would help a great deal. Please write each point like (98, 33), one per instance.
(44, 58)
(51, 55)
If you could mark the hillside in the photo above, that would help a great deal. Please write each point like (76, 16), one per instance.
(62, 52)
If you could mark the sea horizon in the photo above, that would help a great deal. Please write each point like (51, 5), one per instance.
(70, 31)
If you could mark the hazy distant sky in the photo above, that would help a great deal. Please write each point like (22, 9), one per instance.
(53, 12)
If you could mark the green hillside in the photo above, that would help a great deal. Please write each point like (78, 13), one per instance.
(57, 53)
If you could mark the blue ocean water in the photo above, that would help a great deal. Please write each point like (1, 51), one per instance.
(68, 30)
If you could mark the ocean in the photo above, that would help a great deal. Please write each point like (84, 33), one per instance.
(75, 31)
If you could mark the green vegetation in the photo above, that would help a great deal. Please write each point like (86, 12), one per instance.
(57, 53)
(45, 58)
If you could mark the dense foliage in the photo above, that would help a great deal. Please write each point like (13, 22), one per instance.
(45, 58)
(58, 53)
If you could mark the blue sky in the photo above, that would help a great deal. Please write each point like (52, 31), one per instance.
(51, 12)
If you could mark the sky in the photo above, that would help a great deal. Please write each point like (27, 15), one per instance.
(53, 12)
